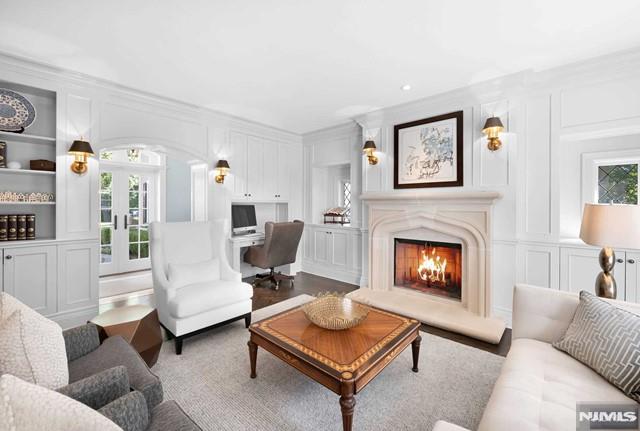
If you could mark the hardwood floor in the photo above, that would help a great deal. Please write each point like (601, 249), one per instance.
(312, 285)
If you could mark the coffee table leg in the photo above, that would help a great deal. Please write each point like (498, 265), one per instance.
(347, 404)
(253, 354)
(415, 349)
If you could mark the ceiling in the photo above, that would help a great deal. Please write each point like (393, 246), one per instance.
(310, 64)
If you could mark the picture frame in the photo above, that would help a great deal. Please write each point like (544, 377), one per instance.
(429, 152)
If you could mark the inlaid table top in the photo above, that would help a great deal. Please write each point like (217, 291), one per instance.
(337, 352)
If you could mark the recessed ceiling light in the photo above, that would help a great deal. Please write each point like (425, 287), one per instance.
(406, 87)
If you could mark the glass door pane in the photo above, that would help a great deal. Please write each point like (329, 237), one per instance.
(139, 214)
(106, 217)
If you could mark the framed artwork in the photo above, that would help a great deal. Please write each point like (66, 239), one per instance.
(428, 153)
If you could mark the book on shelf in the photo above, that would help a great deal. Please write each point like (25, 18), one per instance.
(31, 226)
(4, 221)
(12, 228)
(22, 227)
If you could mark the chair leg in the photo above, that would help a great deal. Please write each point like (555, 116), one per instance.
(247, 320)
(178, 343)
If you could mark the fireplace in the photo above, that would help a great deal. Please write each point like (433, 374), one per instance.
(430, 267)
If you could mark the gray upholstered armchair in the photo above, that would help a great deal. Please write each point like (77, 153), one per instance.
(112, 378)
(280, 248)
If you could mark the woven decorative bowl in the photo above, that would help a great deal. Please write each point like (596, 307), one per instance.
(335, 312)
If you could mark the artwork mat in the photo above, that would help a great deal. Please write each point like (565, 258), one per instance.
(455, 176)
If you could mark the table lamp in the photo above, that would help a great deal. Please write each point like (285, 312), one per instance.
(609, 226)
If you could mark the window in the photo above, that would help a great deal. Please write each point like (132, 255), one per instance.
(346, 198)
(618, 183)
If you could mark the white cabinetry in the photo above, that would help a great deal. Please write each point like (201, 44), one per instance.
(332, 252)
(632, 279)
(59, 279)
(30, 276)
(579, 268)
(260, 168)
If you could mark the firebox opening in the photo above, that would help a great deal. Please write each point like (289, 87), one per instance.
(429, 266)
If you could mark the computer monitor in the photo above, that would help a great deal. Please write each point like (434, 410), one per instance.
(243, 219)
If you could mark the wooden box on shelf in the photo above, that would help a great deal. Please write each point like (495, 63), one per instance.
(42, 165)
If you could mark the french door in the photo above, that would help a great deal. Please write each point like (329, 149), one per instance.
(128, 204)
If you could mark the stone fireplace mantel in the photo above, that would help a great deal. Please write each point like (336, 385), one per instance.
(461, 216)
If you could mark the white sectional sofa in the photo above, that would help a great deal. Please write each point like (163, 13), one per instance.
(539, 386)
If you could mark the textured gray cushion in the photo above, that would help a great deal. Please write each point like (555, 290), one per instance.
(129, 412)
(169, 416)
(81, 340)
(100, 389)
(606, 339)
(113, 352)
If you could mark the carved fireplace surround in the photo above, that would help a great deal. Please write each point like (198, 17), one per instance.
(462, 217)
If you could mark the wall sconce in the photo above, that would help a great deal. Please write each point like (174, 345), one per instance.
(81, 150)
(222, 169)
(369, 149)
(492, 128)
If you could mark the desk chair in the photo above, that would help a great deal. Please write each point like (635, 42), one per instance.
(280, 247)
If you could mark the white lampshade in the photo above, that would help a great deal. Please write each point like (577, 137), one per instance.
(615, 226)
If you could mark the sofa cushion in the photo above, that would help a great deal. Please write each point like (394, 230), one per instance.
(32, 348)
(113, 352)
(198, 298)
(25, 407)
(185, 274)
(539, 387)
(169, 416)
(607, 339)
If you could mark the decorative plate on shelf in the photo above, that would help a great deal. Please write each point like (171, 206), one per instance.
(16, 112)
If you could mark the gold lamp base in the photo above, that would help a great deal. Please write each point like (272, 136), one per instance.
(220, 179)
(494, 144)
(79, 167)
(605, 282)
(373, 160)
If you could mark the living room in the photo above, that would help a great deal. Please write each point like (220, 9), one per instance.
(319, 215)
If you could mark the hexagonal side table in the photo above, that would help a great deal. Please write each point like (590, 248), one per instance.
(138, 324)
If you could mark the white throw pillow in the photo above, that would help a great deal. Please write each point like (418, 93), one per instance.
(32, 348)
(181, 275)
(28, 407)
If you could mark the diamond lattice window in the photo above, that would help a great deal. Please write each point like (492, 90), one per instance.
(346, 198)
(618, 184)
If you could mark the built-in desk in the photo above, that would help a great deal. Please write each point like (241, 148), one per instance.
(240, 242)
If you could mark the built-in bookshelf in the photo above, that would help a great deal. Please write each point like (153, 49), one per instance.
(37, 142)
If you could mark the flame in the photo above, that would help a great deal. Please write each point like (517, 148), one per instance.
(432, 267)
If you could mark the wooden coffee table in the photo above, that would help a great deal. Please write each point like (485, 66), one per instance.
(343, 361)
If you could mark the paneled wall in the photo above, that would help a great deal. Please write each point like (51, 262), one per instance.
(556, 123)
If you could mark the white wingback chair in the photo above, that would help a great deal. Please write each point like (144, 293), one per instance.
(194, 286)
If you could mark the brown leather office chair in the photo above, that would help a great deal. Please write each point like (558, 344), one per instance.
(280, 247)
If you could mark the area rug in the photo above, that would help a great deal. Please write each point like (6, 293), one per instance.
(210, 380)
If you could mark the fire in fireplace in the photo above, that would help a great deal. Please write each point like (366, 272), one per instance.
(429, 266)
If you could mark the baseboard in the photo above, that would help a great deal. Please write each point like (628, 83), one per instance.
(504, 314)
(73, 318)
(350, 277)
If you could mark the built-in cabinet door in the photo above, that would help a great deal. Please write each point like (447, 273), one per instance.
(255, 168)
(579, 268)
(322, 247)
(271, 170)
(633, 277)
(77, 275)
(285, 166)
(238, 158)
(30, 276)
(340, 249)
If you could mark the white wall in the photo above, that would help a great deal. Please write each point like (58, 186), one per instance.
(555, 120)
(178, 190)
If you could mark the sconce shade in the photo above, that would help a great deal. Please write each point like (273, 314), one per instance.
(369, 145)
(493, 123)
(80, 147)
(611, 225)
(222, 164)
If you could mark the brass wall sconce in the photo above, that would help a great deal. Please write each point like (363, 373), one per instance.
(369, 150)
(222, 169)
(492, 128)
(81, 151)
